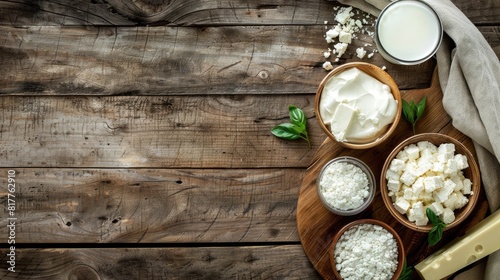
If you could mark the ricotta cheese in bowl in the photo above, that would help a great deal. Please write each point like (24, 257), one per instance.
(358, 105)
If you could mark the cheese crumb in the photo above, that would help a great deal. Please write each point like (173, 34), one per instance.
(360, 52)
(327, 66)
(345, 31)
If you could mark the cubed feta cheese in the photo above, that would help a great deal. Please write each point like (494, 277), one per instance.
(437, 208)
(461, 201)
(422, 221)
(459, 185)
(432, 183)
(461, 161)
(397, 165)
(411, 215)
(413, 151)
(401, 205)
(445, 152)
(443, 193)
(448, 216)
(393, 185)
(418, 186)
(424, 164)
(392, 175)
(425, 176)
(451, 167)
(467, 186)
(402, 155)
(427, 147)
(408, 177)
(408, 193)
(419, 211)
(450, 202)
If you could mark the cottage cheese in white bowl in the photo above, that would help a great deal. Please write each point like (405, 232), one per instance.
(346, 186)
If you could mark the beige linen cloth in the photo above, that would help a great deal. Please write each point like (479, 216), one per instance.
(469, 73)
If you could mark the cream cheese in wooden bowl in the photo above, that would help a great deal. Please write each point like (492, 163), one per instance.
(358, 105)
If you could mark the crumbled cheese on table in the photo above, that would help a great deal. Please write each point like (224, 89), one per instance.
(345, 30)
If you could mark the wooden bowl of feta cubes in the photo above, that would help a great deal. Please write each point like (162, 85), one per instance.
(430, 171)
(358, 105)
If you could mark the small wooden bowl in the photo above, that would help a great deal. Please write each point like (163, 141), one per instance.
(401, 251)
(472, 172)
(377, 73)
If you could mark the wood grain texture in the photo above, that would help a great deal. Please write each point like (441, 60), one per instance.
(151, 205)
(317, 226)
(175, 60)
(206, 12)
(129, 131)
(263, 262)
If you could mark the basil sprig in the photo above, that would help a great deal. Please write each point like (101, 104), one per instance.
(407, 272)
(437, 229)
(412, 112)
(296, 129)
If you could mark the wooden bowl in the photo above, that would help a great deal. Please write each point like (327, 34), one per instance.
(377, 73)
(471, 172)
(401, 254)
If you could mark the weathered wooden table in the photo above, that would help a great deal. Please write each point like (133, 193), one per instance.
(138, 134)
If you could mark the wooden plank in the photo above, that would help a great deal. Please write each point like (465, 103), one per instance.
(175, 60)
(224, 131)
(206, 12)
(133, 12)
(258, 262)
(490, 33)
(153, 205)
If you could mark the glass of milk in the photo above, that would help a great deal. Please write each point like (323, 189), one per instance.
(408, 32)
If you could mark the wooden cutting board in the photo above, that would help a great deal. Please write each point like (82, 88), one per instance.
(317, 226)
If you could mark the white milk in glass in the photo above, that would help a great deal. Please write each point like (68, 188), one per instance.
(408, 32)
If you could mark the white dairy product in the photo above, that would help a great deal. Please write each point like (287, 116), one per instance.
(409, 31)
(480, 241)
(357, 107)
(415, 183)
(344, 186)
(366, 251)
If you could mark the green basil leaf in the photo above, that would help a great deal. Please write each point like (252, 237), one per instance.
(432, 217)
(286, 131)
(413, 106)
(297, 116)
(435, 235)
(408, 112)
(421, 107)
(407, 272)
